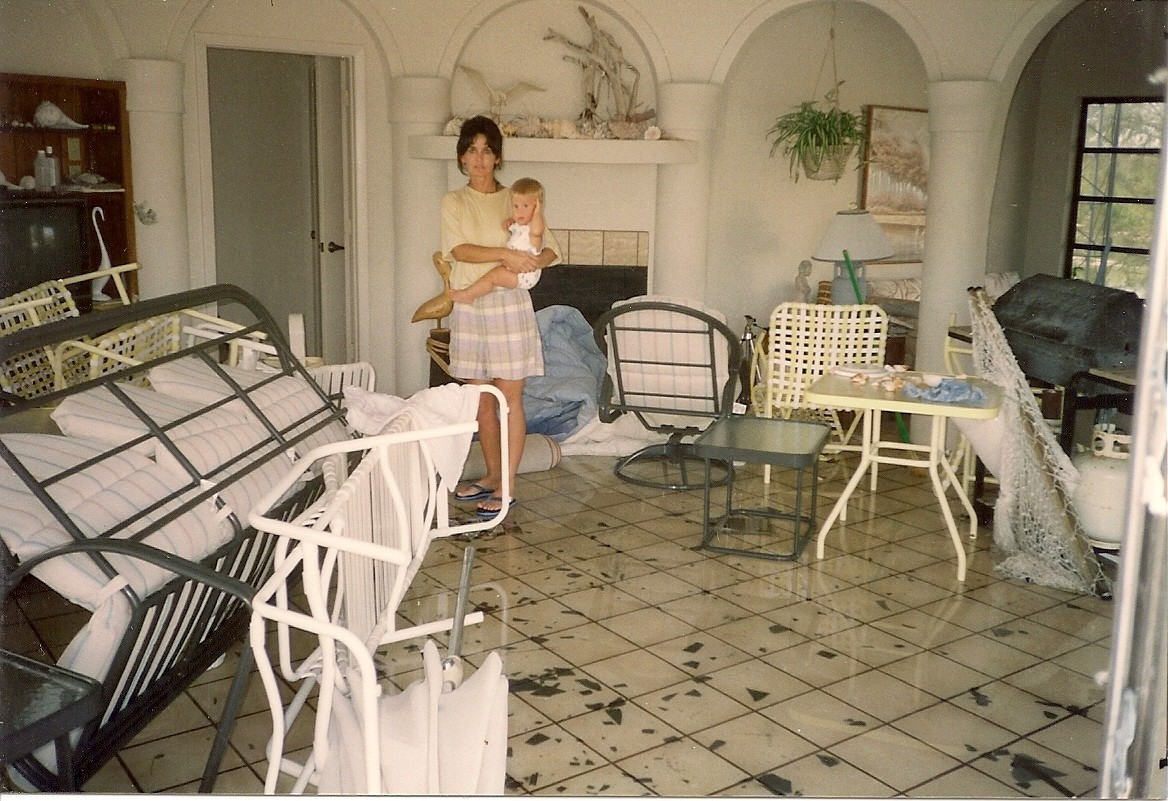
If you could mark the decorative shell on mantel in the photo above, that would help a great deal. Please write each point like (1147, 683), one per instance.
(49, 115)
(537, 128)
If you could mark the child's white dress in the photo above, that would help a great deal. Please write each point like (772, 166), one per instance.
(521, 240)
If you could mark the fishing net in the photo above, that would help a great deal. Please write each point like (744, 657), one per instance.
(1035, 525)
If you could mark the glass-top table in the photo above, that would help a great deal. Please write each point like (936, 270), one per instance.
(42, 703)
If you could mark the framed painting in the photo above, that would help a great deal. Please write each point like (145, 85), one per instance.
(895, 182)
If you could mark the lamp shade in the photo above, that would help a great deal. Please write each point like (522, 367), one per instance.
(857, 232)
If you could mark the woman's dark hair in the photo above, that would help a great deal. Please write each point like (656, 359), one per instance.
(472, 128)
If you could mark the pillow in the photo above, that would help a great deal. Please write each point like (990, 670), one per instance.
(98, 414)
(898, 288)
(209, 450)
(193, 379)
(283, 401)
(112, 489)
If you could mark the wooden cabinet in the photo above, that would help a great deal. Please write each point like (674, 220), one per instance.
(101, 148)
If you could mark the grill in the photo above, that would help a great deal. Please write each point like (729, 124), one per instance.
(1061, 326)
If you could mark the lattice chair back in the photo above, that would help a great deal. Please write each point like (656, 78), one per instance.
(805, 341)
(127, 346)
(36, 372)
(673, 364)
(136, 344)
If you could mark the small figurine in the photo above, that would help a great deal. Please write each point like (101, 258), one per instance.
(802, 285)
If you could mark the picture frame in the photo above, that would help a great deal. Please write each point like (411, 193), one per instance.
(895, 180)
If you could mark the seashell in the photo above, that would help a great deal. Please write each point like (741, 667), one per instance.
(28, 182)
(529, 127)
(563, 129)
(622, 129)
(653, 133)
(49, 115)
(453, 127)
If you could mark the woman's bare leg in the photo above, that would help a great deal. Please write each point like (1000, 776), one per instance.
(512, 390)
(489, 438)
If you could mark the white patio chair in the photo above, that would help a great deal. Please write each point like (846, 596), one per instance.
(356, 552)
(804, 342)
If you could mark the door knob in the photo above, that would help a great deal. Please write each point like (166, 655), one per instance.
(333, 247)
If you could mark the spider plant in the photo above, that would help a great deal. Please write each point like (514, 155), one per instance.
(818, 139)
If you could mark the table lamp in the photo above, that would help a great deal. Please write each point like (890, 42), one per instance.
(852, 238)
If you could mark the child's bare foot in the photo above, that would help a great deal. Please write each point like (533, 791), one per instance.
(461, 296)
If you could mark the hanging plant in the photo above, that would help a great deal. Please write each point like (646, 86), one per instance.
(818, 140)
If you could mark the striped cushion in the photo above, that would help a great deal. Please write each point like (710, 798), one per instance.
(96, 499)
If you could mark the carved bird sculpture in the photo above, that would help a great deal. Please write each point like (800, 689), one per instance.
(497, 99)
(441, 304)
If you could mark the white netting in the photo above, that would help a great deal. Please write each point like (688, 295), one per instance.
(1034, 521)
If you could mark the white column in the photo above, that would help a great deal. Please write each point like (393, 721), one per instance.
(961, 175)
(417, 106)
(681, 230)
(154, 104)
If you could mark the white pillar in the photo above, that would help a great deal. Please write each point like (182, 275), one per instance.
(154, 104)
(417, 106)
(685, 111)
(961, 174)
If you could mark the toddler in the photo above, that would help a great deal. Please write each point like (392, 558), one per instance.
(527, 228)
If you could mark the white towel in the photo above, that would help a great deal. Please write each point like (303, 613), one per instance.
(449, 404)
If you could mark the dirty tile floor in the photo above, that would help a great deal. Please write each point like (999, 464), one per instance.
(641, 666)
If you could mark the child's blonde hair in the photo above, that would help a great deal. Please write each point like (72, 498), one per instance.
(528, 187)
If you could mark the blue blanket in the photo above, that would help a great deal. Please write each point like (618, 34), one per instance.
(566, 396)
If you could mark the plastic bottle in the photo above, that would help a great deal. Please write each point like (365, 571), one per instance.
(53, 170)
(40, 171)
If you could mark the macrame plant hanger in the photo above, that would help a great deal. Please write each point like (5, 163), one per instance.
(832, 94)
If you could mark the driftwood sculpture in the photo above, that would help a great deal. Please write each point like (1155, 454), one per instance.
(606, 74)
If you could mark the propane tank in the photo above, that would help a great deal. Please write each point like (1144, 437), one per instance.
(1100, 500)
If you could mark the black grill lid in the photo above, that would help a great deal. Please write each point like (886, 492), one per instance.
(1061, 326)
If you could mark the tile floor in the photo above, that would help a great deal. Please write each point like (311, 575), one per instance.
(639, 666)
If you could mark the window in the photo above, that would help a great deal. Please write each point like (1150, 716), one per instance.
(1112, 210)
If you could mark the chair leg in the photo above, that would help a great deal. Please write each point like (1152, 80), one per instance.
(227, 719)
(673, 455)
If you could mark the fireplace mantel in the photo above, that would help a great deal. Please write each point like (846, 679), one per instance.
(570, 151)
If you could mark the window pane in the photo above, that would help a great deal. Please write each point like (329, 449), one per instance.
(1129, 225)
(1124, 270)
(1114, 180)
(1124, 125)
(1100, 125)
(1132, 175)
(1141, 124)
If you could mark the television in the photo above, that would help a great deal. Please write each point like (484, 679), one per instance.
(42, 238)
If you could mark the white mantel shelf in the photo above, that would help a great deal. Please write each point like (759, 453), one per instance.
(569, 151)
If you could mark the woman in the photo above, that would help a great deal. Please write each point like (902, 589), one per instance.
(493, 340)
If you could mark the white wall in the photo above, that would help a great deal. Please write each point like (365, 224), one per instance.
(763, 223)
(509, 48)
